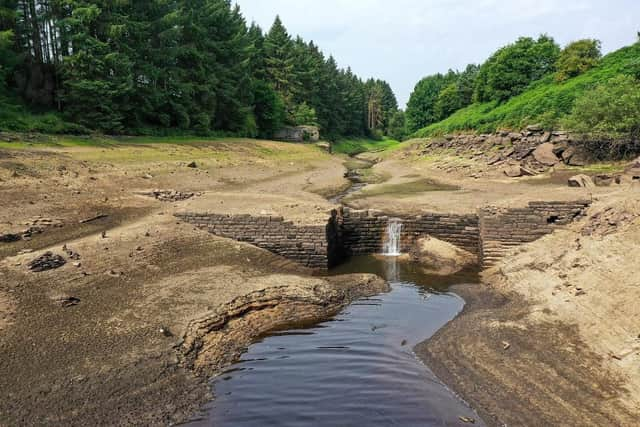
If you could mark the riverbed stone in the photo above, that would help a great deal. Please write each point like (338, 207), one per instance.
(581, 181)
(441, 258)
(603, 180)
(544, 154)
(513, 171)
(47, 261)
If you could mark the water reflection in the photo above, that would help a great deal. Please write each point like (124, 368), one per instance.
(355, 370)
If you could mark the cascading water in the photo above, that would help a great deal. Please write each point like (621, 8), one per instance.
(392, 243)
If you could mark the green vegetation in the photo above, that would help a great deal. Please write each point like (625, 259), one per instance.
(149, 67)
(578, 58)
(611, 108)
(510, 70)
(551, 103)
(14, 116)
(437, 97)
(357, 146)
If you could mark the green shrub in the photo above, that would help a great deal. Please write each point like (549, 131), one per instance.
(577, 58)
(611, 108)
(304, 115)
(510, 70)
(545, 101)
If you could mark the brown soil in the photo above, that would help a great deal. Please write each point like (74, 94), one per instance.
(129, 333)
(514, 372)
(456, 187)
(109, 338)
(551, 336)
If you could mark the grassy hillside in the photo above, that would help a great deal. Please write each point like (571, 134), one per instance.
(546, 101)
(357, 146)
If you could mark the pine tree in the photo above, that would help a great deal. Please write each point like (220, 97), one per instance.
(279, 61)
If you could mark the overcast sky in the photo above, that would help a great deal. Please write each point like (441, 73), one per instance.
(402, 41)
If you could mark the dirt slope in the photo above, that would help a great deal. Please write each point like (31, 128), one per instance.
(552, 338)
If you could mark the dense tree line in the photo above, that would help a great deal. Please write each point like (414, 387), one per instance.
(141, 66)
(507, 73)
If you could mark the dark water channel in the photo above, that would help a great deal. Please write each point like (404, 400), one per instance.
(357, 369)
(355, 176)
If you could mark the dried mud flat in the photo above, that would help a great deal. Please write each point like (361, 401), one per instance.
(130, 328)
(552, 336)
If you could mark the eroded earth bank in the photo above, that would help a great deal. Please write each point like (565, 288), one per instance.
(135, 309)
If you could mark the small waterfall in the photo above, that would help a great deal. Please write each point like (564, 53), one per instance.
(392, 243)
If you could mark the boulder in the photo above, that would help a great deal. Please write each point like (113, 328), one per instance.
(513, 171)
(10, 237)
(544, 154)
(535, 128)
(634, 167)
(47, 261)
(578, 159)
(508, 152)
(574, 156)
(325, 146)
(603, 180)
(560, 147)
(441, 258)
(494, 159)
(581, 181)
(546, 137)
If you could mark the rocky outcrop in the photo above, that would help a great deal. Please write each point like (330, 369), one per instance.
(441, 258)
(530, 152)
(218, 338)
(545, 154)
(171, 195)
(581, 181)
(47, 261)
(634, 168)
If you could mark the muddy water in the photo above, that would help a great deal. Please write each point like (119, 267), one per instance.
(354, 175)
(357, 369)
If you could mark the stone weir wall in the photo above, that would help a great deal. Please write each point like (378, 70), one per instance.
(489, 234)
(364, 232)
(306, 245)
(502, 229)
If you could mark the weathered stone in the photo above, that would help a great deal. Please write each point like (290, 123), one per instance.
(634, 167)
(560, 147)
(578, 159)
(47, 261)
(582, 181)
(494, 160)
(528, 171)
(546, 137)
(10, 237)
(298, 134)
(544, 154)
(171, 195)
(603, 180)
(326, 146)
(513, 171)
(441, 258)
(535, 128)
(575, 156)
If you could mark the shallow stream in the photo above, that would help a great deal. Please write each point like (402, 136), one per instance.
(357, 369)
